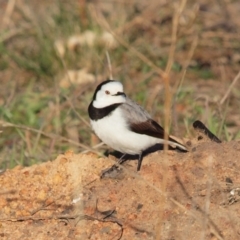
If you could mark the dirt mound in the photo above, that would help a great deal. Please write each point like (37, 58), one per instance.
(176, 195)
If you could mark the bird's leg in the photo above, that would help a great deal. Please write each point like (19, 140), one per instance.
(139, 162)
(121, 160)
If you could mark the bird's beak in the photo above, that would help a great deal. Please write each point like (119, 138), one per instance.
(119, 94)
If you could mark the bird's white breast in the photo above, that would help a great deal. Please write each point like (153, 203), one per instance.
(113, 130)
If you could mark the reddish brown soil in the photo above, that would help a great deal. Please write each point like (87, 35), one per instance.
(66, 198)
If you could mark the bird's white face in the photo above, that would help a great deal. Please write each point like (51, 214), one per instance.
(109, 93)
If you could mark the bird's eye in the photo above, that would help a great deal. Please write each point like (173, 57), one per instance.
(107, 92)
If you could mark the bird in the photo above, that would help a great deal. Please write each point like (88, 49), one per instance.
(123, 124)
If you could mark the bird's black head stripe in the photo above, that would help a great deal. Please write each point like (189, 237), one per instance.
(120, 94)
(100, 86)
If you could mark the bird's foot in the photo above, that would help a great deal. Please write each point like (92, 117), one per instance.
(114, 170)
(111, 172)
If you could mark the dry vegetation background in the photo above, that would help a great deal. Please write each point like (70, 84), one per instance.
(180, 59)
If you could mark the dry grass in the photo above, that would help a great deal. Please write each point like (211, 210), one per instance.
(179, 59)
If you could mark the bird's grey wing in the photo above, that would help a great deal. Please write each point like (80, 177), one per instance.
(140, 121)
(134, 112)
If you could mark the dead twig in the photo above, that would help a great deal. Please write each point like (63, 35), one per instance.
(42, 207)
(187, 62)
(67, 218)
(109, 65)
(76, 112)
(167, 108)
(230, 88)
(9, 10)
(49, 135)
(12, 33)
(175, 24)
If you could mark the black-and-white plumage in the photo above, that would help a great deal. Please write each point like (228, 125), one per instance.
(122, 124)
